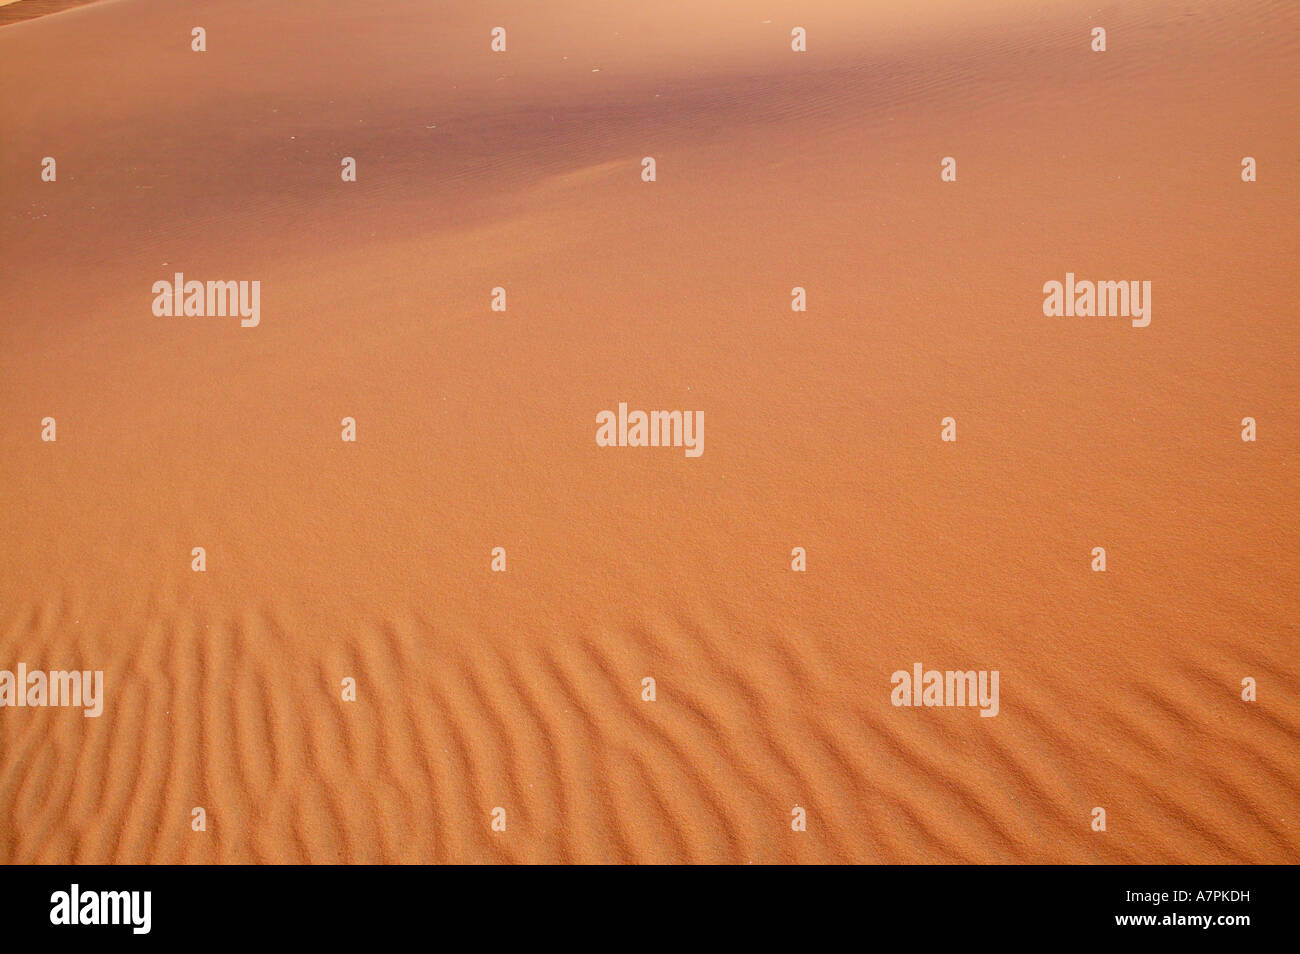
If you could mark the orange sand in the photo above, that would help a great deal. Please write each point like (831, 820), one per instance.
(476, 429)
(11, 11)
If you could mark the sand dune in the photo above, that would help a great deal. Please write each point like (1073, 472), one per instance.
(13, 11)
(523, 690)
